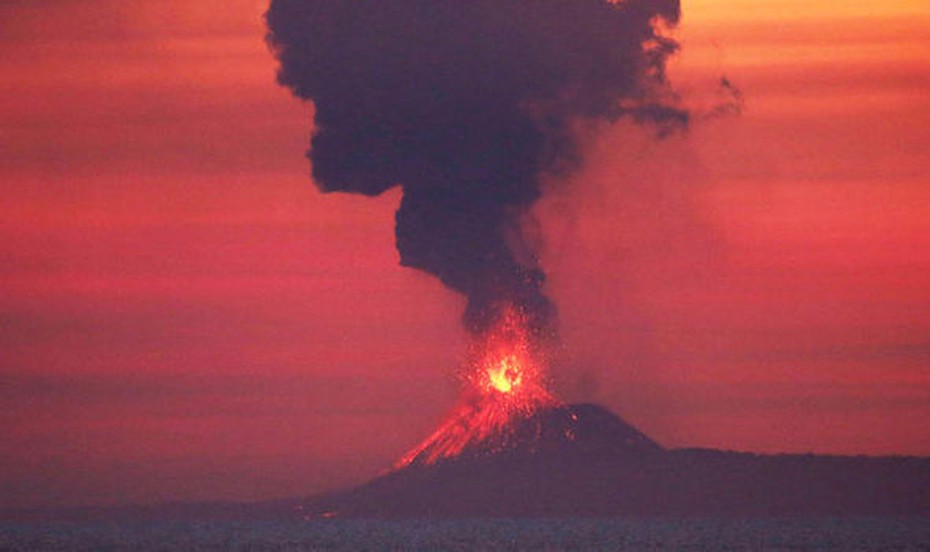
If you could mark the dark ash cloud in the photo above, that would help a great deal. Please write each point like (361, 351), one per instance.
(466, 104)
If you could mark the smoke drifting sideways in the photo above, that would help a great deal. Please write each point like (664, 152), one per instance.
(467, 105)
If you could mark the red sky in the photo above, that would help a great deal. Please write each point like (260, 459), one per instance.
(185, 317)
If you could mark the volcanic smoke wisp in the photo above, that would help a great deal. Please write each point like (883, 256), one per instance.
(467, 105)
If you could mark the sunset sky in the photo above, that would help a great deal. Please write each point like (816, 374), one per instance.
(183, 316)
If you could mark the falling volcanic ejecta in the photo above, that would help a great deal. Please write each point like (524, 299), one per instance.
(467, 105)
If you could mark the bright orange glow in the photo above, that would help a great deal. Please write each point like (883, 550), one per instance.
(506, 374)
(723, 11)
(504, 383)
(505, 357)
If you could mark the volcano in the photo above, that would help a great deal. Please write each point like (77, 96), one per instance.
(570, 461)
(577, 432)
(471, 108)
(512, 449)
(584, 461)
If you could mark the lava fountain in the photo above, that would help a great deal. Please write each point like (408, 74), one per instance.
(505, 382)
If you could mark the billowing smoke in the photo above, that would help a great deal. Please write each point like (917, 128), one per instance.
(466, 104)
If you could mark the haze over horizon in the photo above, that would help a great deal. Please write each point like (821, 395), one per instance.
(185, 317)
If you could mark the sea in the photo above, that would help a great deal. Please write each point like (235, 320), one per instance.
(846, 534)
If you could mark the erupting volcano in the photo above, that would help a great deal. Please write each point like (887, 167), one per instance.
(504, 386)
(470, 106)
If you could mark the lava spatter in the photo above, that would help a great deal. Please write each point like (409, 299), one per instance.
(505, 383)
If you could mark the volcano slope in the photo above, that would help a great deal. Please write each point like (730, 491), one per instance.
(582, 460)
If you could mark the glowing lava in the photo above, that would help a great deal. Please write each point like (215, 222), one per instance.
(504, 361)
(507, 375)
(504, 382)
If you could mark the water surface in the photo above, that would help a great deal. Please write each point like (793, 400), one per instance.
(561, 534)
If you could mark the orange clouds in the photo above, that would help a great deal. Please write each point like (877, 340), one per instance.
(710, 12)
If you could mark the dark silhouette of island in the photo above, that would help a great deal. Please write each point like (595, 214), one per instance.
(584, 461)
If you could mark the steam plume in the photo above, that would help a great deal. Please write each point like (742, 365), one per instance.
(466, 104)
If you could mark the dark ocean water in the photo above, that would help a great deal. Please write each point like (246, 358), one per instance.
(356, 535)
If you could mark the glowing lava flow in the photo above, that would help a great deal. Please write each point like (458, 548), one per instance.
(504, 383)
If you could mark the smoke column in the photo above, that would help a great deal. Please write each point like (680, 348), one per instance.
(466, 104)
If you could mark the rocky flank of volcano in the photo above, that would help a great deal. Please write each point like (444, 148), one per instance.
(582, 460)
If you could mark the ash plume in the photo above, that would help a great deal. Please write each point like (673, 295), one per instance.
(467, 104)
